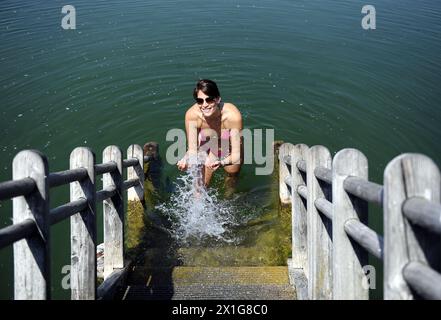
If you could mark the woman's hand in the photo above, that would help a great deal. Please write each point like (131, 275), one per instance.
(215, 165)
(183, 163)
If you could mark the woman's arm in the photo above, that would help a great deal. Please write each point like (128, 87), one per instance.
(234, 123)
(191, 128)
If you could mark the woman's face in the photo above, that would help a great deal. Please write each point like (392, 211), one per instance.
(207, 104)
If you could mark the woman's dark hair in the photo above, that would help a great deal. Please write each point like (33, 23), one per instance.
(208, 87)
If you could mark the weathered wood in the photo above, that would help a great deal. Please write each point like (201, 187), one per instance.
(297, 278)
(301, 165)
(303, 192)
(288, 181)
(324, 206)
(127, 163)
(323, 174)
(319, 228)
(105, 168)
(108, 289)
(424, 280)
(136, 193)
(32, 255)
(365, 236)
(67, 210)
(83, 228)
(407, 176)
(423, 213)
(284, 171)
(130, 184)
(106, 193)
(14, 232)
(64, 177)
(113, 209)
(152, 164)
(366, 190)
(15, 188)
(298, 210)
(349, 257)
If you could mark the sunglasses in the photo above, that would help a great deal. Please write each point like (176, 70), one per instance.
(200, 101)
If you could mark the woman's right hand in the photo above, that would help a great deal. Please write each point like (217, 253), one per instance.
(183, 163)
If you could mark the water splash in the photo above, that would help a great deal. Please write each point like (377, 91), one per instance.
(197, 214)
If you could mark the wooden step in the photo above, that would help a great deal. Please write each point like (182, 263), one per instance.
(218, 283)
(216, 256)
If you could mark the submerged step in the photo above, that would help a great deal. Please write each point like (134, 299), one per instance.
(229, 283)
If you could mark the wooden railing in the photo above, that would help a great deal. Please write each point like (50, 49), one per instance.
(331, 239)
(33, 217)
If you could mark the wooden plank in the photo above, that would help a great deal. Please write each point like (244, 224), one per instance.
(106, 193)
(423, 213)
(113, 210)
(319, 227)
(298, 210)
(64, 177)
(105, 168)
(349, 257)
(324, 206)
(83, 228)
(32, 255)
(301, 165)
(366, 190)
(297, 278)
(127, 163)
(17, 231)
(323, 174)
(137, 172)
(303, 192)
(423, 279)
(287, 160)
(108, 289)
(15, 188)
(366, 237)
(152, 164)
(64, 211)
(407, 176)
(130, 184)
(284, 171)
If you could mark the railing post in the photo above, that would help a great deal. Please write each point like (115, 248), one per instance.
(406, 176)
(319, 227)
(136, 172)
(32, 255)
(298, 265)
(83, 228)
(284, 171)
(299, 215)
(113, 211)
(349, 257)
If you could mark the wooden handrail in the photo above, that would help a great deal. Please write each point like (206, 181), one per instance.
(410, 196)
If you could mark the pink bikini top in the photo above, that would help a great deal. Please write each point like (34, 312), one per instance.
(225, 135)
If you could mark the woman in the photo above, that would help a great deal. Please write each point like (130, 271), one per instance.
(214, 127)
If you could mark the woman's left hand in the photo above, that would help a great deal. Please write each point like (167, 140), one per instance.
(215, 165)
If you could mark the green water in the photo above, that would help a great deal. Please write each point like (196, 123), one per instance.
(125, 75)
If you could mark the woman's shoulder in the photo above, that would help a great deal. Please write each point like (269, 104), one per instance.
(231, 116)
(192, 113)
(231, 111)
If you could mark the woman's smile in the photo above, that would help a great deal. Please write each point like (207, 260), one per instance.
(207, 111)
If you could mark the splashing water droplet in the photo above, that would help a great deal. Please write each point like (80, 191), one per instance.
(198, 214)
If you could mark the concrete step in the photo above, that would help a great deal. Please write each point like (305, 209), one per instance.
(217, 283)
